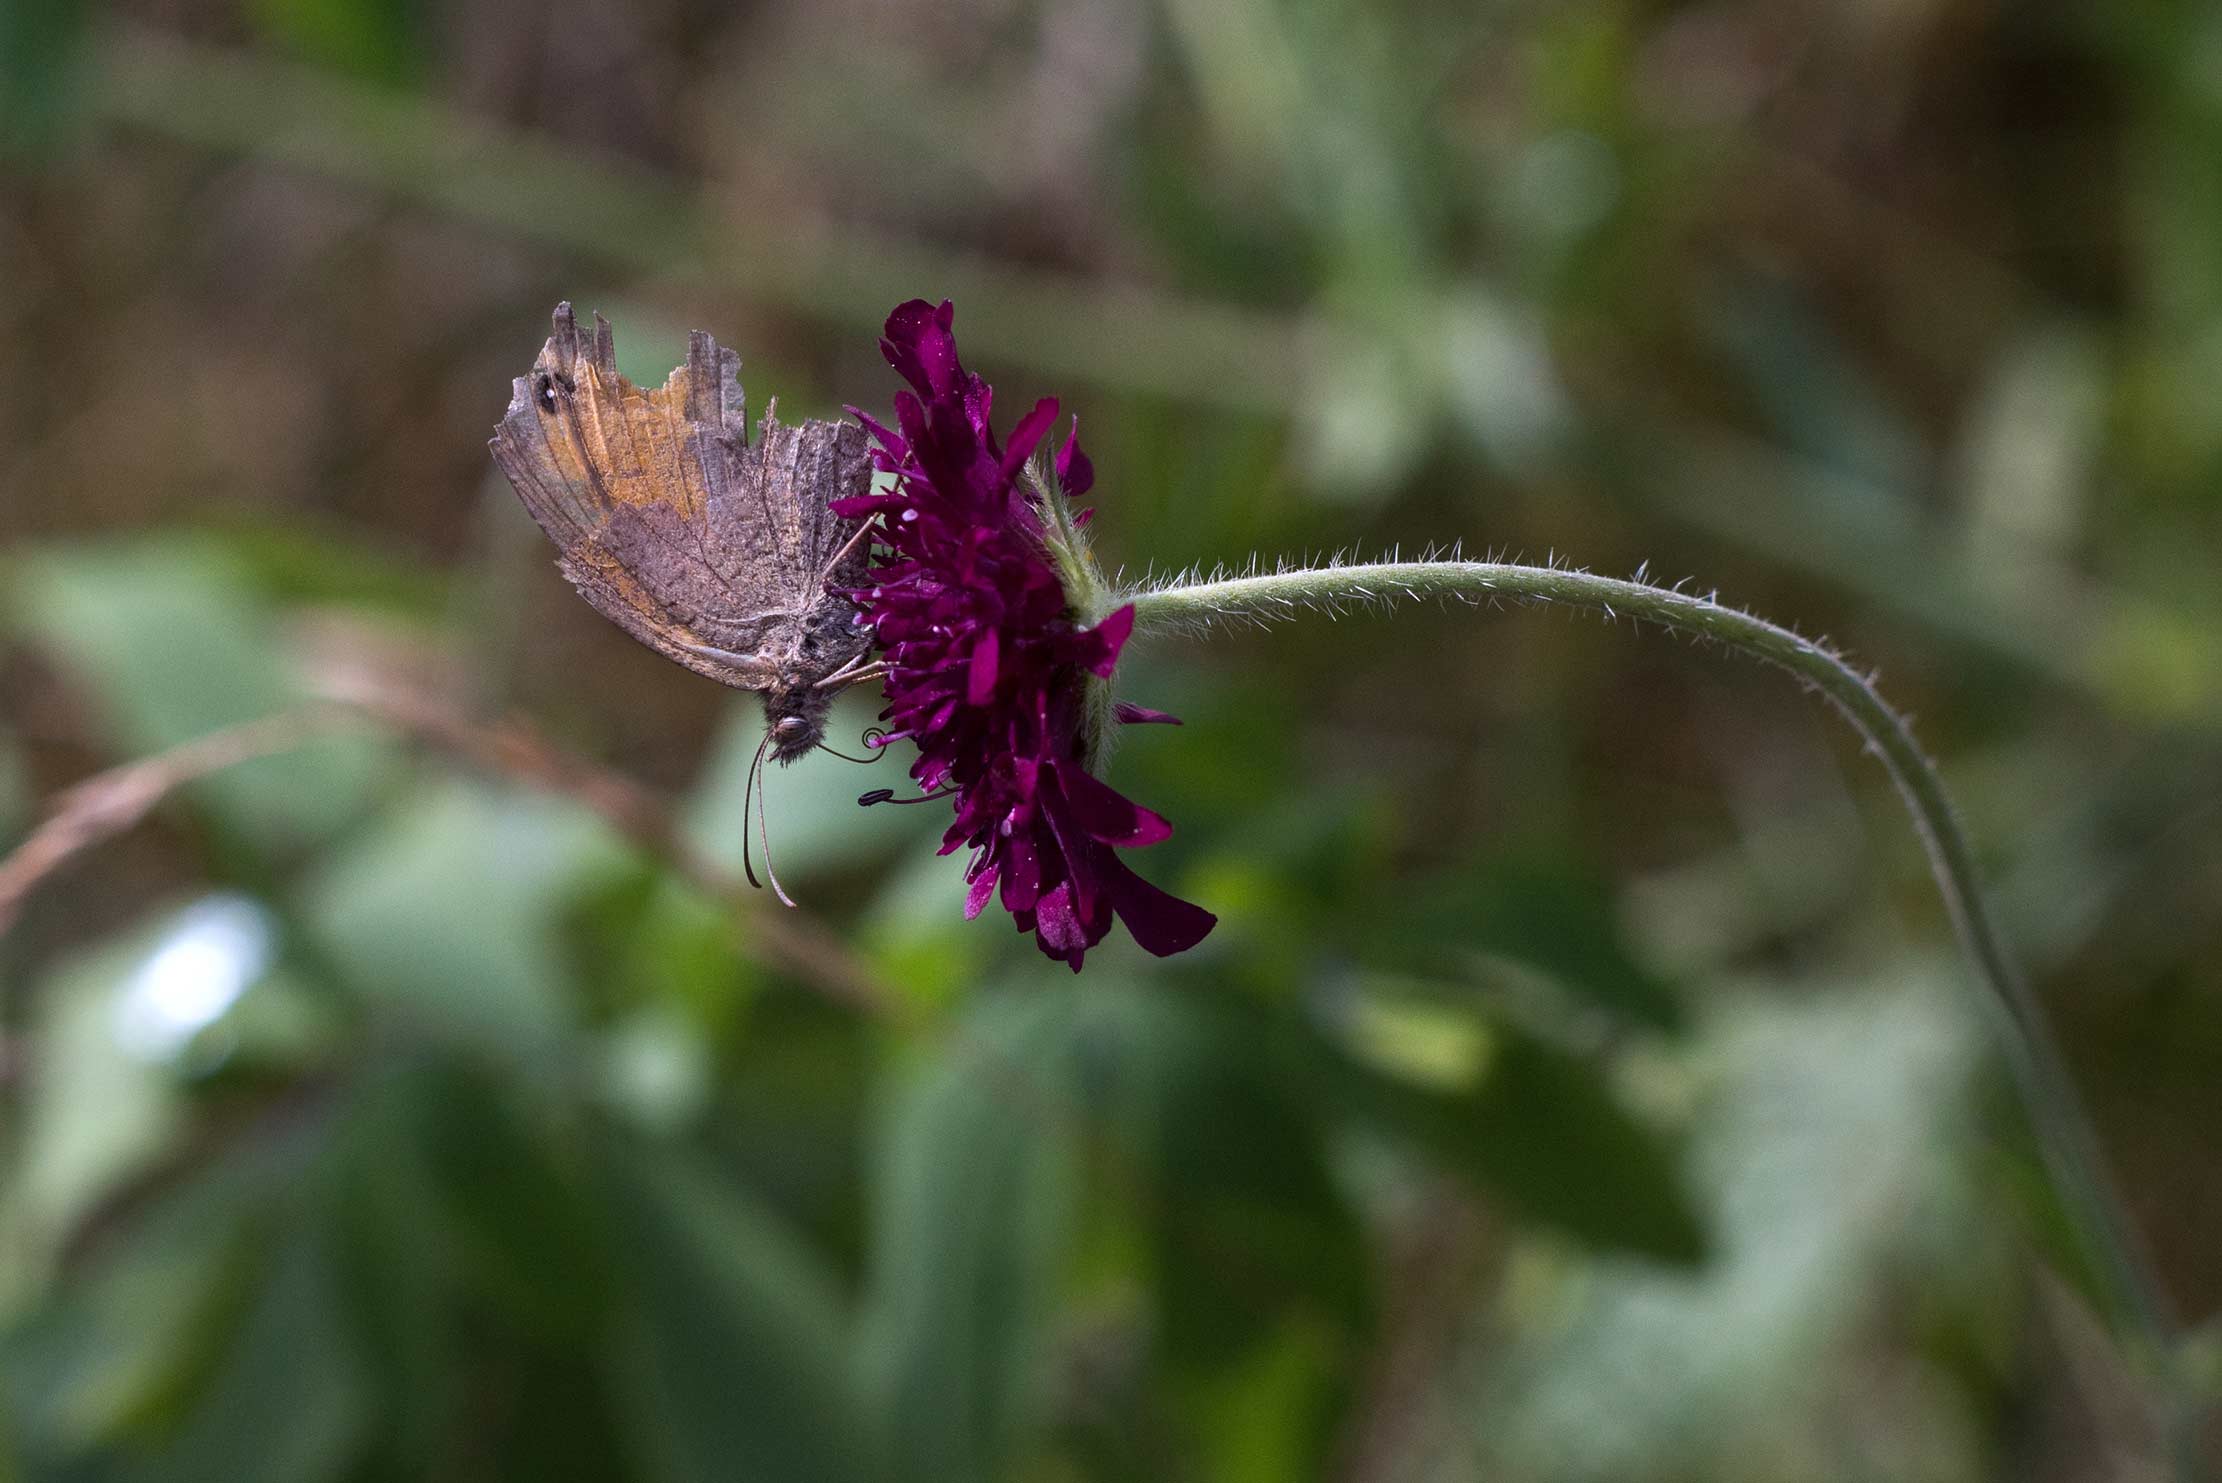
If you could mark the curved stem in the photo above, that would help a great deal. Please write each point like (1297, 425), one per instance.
(2062, 1128)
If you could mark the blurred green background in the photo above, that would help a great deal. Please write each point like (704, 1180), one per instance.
(1580, 1084)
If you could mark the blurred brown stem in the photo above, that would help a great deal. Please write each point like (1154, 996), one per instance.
(114, 801)
(109, 803)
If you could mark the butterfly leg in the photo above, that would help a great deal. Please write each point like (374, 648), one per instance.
(849, 674)
(863, 533)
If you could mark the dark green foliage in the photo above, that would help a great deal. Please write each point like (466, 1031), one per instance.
(1541, 1129)
(43, 45)
(978, 1178)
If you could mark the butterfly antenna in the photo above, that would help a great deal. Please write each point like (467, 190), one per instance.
(763, 832)
(748, 805)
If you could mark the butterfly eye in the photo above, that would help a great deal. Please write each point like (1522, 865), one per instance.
(792, 728)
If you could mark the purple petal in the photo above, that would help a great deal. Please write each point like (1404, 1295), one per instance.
(910, 415)
(976, 898)
(1027, 434)
(1025, 775)
(979, 685)
(889, 439)
(1075, 474)
(1076, 852)
(1161, 922)
(1022, 872)
(1107, 814)
(1058, 921)
(1059, 926)
(948, 451)
(1136, 715)
(1111, 636)
(857, 506)
(920, 347)
(979, 405)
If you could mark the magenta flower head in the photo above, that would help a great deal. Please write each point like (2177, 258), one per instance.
(993, 666)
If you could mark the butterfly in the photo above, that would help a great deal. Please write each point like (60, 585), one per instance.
(716, 551)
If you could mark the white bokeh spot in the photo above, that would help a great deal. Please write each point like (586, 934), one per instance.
(212, 953)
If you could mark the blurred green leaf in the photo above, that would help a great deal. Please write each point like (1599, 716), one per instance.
(289, 564)
(43, 46)
(399, 1276)
(917, 933)
(474, 1259)
(375, 39)
(1265, 1415)
(1544, 1130)
(450, 911)
(1543, 912)
(732, 1356)
(1167, 449)
(1821, 402)
(175, 644)
(15, 792)
(98, 1113)
(285, 1025)
(655, 1069)
(2201, 1360)
(794, 1086)
(646, 941)
(1257, 1267)
(1189, 1111)
(1250, 1232)
(1369, 424)
(2028, 456)
(1827, 1158)
(135, 1334)
(287, 1403)
(975, 1187)
(510, 1187)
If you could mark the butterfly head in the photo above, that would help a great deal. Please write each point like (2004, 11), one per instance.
(796, 720)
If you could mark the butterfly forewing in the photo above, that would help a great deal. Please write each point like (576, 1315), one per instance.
(673, 524)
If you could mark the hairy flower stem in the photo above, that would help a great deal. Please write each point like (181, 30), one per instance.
(2062, 1128)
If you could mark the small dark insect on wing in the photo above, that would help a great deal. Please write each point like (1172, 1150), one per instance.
(708, 548)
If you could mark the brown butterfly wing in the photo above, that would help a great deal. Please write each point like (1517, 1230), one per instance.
(669, 521)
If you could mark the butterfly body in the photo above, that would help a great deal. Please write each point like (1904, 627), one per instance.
(716, 551)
